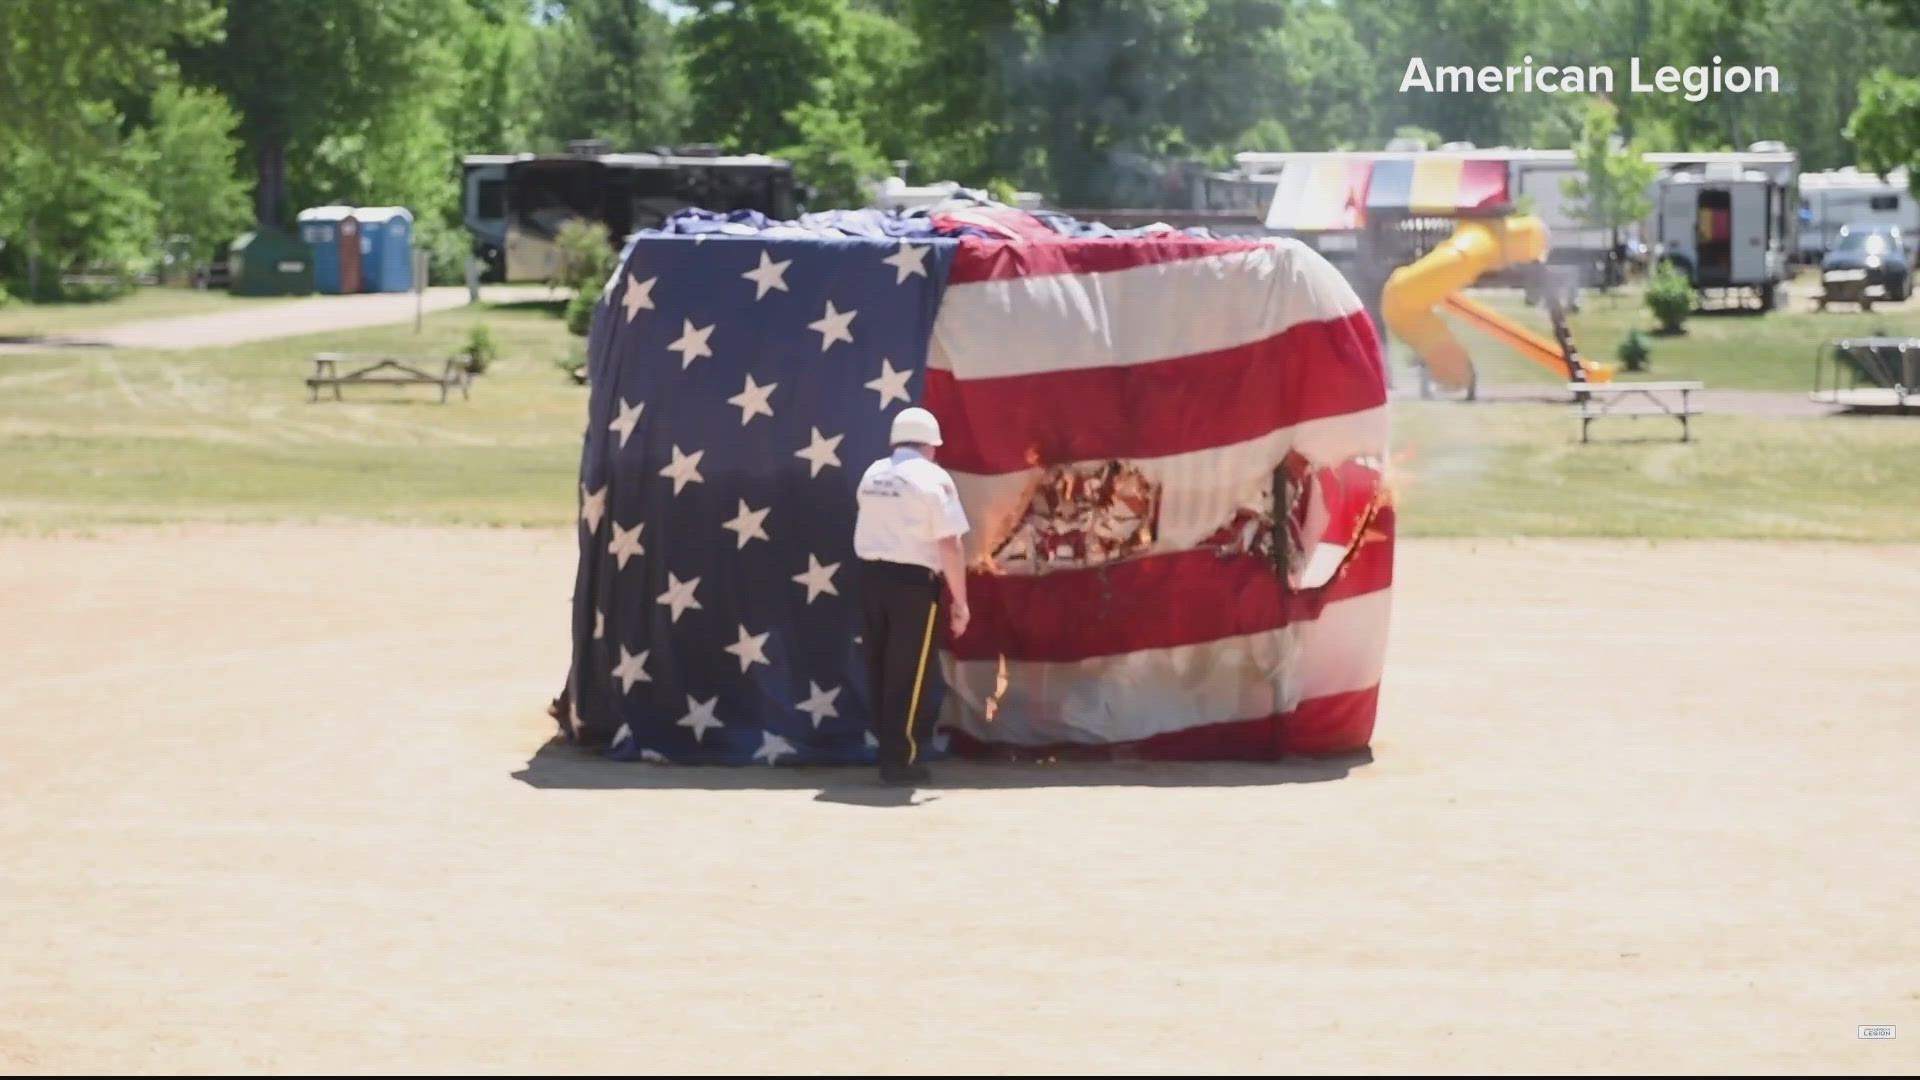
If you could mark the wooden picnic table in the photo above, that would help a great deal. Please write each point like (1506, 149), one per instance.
(385, 371)
(1596, 401)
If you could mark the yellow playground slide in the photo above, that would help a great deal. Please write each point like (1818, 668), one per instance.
(1414, 292)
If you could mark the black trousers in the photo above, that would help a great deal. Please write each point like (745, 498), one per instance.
(901, 606)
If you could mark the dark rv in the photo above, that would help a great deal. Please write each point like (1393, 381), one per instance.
(515, 204)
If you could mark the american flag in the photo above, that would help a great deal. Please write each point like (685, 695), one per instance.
(1139, 428)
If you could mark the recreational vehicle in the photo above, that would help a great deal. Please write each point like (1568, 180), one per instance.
(516, 204)
(1832, 201)
(1727, 228)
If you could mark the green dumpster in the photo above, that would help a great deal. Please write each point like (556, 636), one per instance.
(269, 263)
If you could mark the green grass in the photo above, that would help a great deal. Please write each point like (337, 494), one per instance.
(97, 439)
(1488, 470)
(21, 319)
(1771, 352)
(228, 434)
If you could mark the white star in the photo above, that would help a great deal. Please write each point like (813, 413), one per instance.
(653, 757)
(679, 595)
(752, 401)
(625, 545)
(751, 649)
(769, 275)
(685, 469)
(700, 716)
(891, 384)
(639, 295)
(834, 326)
(821, 451)
(628, 419)
(593, 504)
(692, 343)
(909, 260)
(820, 704)
(872, 743)
(622, 737)
(631, 669)
(599, 625)
(772, 747)
(749, 524)
(818, 579)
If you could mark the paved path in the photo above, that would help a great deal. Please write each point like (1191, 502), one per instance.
(312, 315)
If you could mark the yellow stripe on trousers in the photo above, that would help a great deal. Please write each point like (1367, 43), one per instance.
(919, 673)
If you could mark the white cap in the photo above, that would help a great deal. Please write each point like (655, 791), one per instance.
(916, 426)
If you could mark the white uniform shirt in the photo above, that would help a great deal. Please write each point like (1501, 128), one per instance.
(907, 506)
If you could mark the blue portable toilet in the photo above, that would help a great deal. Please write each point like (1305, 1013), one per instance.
(334, 234)
(386, 247)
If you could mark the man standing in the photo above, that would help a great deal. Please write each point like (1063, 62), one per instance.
(907, 537)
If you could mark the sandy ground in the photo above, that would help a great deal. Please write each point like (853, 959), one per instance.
(260, 322)
(279, 800)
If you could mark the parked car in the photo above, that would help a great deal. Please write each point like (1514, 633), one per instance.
(1868, 263)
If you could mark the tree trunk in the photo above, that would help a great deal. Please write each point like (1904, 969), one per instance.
(269, 198)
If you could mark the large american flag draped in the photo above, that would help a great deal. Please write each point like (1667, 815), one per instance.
(1115, 412)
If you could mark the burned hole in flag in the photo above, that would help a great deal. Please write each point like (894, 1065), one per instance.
(1321, 518)
(1080, 515)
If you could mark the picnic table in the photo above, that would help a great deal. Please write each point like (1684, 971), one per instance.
(385, 371)
(1597, 401)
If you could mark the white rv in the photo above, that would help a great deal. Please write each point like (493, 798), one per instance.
(1831, 201)
(1726, 228)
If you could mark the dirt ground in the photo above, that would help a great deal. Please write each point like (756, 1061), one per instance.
(278, 800)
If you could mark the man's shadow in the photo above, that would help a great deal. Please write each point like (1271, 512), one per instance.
(560, 765)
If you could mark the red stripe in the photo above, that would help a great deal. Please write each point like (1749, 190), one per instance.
(1158, 602)
(1335, 724)
(997, 260)
(1173, 406)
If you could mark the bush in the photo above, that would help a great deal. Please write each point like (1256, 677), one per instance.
(1003, 191)
(1633, 351)
(1670, 296)
(586, 256)
(580, 311)
(446, 248)
(481, 350)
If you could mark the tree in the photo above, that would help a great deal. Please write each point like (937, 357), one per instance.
(1615, 176)
(300, 73)
(76, 212)
(833, 157)
(749, 64)
(192, 179)
(1885, 125)
(610, 72)
(56, 55)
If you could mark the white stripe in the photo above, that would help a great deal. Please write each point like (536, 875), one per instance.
(1142, 694)
(1143, 314)
(1199, 491)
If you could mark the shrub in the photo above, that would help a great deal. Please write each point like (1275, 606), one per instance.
(1633, 351)
(481, 350)
(586, 256)
(580, 311)
(1670, 296)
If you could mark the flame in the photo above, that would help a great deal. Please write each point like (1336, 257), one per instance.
(999, 689)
